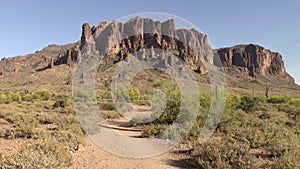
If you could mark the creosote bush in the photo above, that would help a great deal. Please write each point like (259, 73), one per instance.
(41, 154)
(279, 99)
(26, 96)
(42, 94)
(153, 130)
(222, 154)
(249, 103)
(288, 160)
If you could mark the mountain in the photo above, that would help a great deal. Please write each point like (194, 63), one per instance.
(254, 60)
(246, 66)
(117, 39)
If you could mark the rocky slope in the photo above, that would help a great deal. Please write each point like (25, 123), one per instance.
(254, 60)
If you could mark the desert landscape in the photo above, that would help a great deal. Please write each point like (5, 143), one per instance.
(40, 128)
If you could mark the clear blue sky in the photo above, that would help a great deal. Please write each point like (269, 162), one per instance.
(27, 26)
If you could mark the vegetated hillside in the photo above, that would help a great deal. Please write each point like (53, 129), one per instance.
(31, 71)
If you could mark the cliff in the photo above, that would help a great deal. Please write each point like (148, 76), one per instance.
(255, 59)
(117, 39)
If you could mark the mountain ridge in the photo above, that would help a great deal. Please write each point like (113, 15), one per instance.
(247, 60)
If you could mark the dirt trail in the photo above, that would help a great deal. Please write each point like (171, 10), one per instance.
(92, 156)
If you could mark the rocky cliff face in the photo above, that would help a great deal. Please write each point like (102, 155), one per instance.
(255, 59)
(143, 33)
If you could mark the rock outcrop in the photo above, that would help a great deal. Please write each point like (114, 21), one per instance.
(86, 34)
(51, 64)
(255, 59)
(72, 56)
(143, 33)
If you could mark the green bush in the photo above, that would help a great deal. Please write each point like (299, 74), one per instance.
(233, 101)
(157, 84)
(205, 100)
(279, 99)
(3, 98)
(153, 130)
(27, 97)
(231, 121)
(14, 97)
(134, 94)
(223, 155)
(42, 94)
(173, 99)
(105, 95)
(249, 103)
(295, 102)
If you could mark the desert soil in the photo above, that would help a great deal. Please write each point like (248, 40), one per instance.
(93, 156)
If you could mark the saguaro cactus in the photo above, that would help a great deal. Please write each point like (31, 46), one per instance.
(267, 90)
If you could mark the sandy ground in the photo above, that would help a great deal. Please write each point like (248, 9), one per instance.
(92, 156)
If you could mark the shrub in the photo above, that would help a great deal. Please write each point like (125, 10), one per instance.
(284, 141)
(216, 154)
(79, 94)
(134, 94)
(107, 106)
(173, 99)
(15, 97)
(255, 138)
(24, 126)
(248, 103)
(105, 95)
(60, 102)
(170, 113)
(289, 160)
(42, 94)
(157, 84)
(279, 99)
(110, 114)
(3, 98)
(292, 110)
(231, 121)
(153, 130)
(144, 97)
(295, 102)
(41, 154)
(27, 97)
(205, 100)
(67, 138)
(233, 101)
(11, 133)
